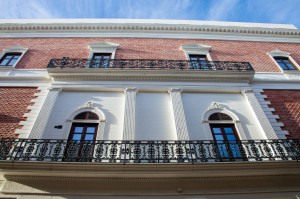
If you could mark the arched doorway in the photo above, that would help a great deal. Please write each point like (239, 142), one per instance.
(82, 137)
(225, 136)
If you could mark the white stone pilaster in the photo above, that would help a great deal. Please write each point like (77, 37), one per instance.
(260, 114)
(129, 114)
(32, 115)
(179, 116)
(44, 115)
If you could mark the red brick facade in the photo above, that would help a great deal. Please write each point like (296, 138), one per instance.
(41, 50)
(14, 102)
(287, 106)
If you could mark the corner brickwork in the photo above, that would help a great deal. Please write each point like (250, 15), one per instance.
(286, 104)
(13, 105)
(41, 50)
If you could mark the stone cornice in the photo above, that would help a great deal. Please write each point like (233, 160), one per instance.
(148, 26)
(149, 171)
(149, 75)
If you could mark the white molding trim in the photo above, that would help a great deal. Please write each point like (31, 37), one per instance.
(216, 107)
(31, 116)
(103, 47)
(129, 114)
(178, 114)
(153, 75)
(44, 114)
(278, 53)
(13, 49)
(187, 29)
(52, 25)
(260, 114)
(196, 49)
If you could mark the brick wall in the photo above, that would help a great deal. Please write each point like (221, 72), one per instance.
(41, 50)
(13, 104)
(287, 106)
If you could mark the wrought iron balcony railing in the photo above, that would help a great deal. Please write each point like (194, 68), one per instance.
(195, 151)
(150, 64)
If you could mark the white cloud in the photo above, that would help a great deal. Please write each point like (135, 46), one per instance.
(23, 9)
(221, 9)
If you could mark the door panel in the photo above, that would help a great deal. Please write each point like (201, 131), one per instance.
(226, 140)
(81, 142)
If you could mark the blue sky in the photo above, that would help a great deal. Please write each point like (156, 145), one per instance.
(261, 11)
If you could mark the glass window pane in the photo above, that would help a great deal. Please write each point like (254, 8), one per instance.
(228, 130)
(282, 65)
(78, 129)
(76, 137)
(4, 62)
(231, 137)
(219, 137)
(12, 62)
(217, 130)
(89, 137)
(90, 130)
(291, 67)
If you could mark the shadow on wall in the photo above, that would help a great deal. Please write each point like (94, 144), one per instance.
(9, 119)
(110, 118)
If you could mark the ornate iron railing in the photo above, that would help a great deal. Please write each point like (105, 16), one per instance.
(194, 151)
(149, 64)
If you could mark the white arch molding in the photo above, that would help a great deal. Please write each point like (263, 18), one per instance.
(88, 107)
(218, 108)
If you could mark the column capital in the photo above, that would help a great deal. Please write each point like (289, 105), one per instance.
(175, 90)
(55, 89)
(249, 90)
(130, 89)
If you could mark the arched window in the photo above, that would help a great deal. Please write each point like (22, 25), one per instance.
(225, 135)
(219, 116)
(82, 137)
(86, 116)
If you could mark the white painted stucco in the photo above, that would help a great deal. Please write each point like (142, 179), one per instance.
(154, 117)
(196, 104)
(110, 103)
(154, 114)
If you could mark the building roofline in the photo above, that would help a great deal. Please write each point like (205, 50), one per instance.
(148, 28)
(144, 22)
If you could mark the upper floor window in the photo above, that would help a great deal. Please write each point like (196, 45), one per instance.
(100, 60)
(284, 63)
(284, 60)
(11, 56)
(198, 54)
(199, 61)
(198, 57)
(9, 59)
(101, 53)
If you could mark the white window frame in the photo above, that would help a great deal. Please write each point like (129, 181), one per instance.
(87, 107)
(278, 53)
(103, 47)
(196, 49)
(15, 49)
(216, 107)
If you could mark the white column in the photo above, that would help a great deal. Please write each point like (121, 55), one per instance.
(44, 115)
(179, 116)
(129, 114)
(260, 114)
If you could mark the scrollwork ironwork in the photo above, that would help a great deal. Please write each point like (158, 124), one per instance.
(150, 64)
(130, 152)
